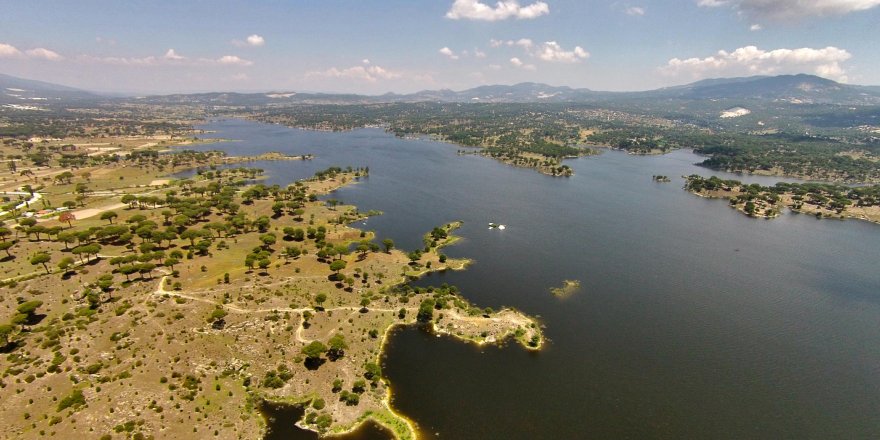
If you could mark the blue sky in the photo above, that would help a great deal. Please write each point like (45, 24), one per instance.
(403, 46)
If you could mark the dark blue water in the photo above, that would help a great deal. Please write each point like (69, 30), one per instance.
(692, 321)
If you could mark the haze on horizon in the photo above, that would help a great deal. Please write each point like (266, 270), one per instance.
(402, 46)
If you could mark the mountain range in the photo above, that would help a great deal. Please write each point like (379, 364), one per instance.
(796, 89)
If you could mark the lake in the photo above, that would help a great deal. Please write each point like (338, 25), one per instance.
(692, 321)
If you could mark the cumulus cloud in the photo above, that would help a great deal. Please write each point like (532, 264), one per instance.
(8, 50)
(553, 52)
(516, 62)
(476, 10)
(549, 51)
(172, 55)
(41, 53)
(792, 9)
(253, 40)
(448, 53)
(522, 42)
(755, 27)
(751, 60)
(634, 10)
(366, 72)
(231, 60)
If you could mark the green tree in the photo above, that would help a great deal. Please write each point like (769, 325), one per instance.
(337, 346)
(338, 265)
(6, 246)
(109, 216)
(320, 298)
(388, 244)
(426, 310)
(314, 350)
(65, 263)
(41, 258)
(372, 371)
(268, 239)
(6, 331)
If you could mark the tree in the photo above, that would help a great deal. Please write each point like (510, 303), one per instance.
(278, 208)
(41, 258)
(372, 371)
(105, 282)
(29, 308)
(146, 268)
(27, 222)
(426, 311)
(65, 263)
(171, 261)
(6, 331)
(67, 238)
(268, 239)
(109, 216)
(363, 248)
(314, 350)
(389, 244)
(5, 246)
(128, 270)
(67, 217)
(337, 346)
(337, 265)
(292, 252)
(320, 298)
(129, 199)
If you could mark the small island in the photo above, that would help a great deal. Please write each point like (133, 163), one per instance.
(822, 200)
(568, 288)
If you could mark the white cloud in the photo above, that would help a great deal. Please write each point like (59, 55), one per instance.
(7, 50)
(369, 73)
(751, 60)
(755, 27)
(553, 52)
(479, 53)
(793, 9)
(10, 51)
(231, 60)
(516, 62)
(43, 53)
(634, 10)
(251, 41)
(172, 55)
(522, 42)
(449, 53)
(549, 51)
(476, 10)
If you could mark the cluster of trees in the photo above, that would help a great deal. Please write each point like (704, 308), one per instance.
(827, 196)
(26, 314)
(60, 121)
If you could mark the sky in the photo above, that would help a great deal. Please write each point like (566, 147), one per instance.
(403, 46)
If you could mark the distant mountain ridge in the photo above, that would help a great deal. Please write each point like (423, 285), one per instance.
(22, 91)
(800, 88)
